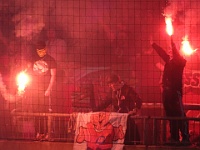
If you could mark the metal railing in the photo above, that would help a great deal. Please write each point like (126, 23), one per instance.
(155, 130)
(61, 127)
(152, 130)
(58, 126)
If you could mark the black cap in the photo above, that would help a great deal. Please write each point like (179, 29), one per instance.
(40, 45)
(113, 78)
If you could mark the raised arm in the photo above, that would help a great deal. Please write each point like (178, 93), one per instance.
(161, 52)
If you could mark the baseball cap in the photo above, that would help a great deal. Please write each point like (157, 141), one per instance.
(113, 78)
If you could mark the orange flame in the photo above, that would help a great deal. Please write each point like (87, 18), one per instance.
(186, 47)
(22, 81)
(169, 26)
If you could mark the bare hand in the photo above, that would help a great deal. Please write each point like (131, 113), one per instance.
(135, 112)
(151, 40)
(47, 93)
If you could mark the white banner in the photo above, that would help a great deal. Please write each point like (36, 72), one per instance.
(100, 131)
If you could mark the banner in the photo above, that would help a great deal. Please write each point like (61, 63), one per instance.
(100, 131)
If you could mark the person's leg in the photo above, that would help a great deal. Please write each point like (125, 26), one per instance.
(174, 130)
(41, 121)
(183, 124)
(169, 98)
(132, 134)
(127, 138)
(184, 130)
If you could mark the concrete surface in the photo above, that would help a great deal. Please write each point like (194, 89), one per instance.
(36, 145)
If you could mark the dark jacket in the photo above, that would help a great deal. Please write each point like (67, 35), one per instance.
(173, 69)
(123, 100)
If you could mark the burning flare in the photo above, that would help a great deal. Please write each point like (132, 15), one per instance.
(169, 26)
(22, 81)
(186, 48)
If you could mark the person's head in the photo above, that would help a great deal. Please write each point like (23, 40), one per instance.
(114, 82)
(41, 48)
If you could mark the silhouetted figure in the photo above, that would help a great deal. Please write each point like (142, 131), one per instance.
(172, 87)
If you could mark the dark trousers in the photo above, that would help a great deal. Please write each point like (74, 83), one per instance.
(132, 134)
(39, 104)
(173, 105)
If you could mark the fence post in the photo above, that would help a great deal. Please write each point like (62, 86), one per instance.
(49, 127)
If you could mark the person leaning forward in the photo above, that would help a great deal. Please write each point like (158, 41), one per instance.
(122, 98)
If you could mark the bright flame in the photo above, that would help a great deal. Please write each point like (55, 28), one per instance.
(186, 48)
(169, 26)
(22, 81)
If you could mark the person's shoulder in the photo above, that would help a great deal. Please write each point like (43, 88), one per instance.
(179, 60)
(129, 88)
(126, 87)
(49, 57)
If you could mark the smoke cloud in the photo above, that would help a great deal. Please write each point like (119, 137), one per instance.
(185, 18)
(29, 21)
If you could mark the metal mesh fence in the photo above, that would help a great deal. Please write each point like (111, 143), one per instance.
(85, 42)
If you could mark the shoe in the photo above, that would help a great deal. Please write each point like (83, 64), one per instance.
(172, 143)
(185, 143)
(46, 137)
(40, 137)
